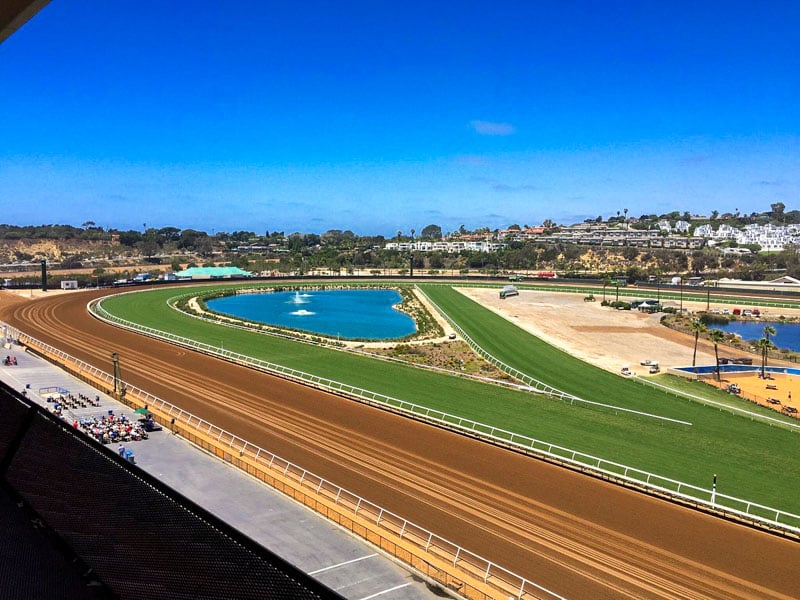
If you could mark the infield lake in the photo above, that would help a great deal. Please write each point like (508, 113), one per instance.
(345, 314)
(787, 336)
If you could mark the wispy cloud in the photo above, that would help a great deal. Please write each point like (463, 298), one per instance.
(492, 128)
(695, 159)
(499, 186)
(768, 183)
(471, 160)
(503, 187)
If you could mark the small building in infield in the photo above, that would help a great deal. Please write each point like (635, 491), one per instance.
(213, 273)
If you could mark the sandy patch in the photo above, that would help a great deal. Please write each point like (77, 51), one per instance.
(600, 335)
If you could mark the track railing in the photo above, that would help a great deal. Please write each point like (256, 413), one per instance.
(436, 558)
(720, 405)
(653, 483)
(533, 384)
(223, 322)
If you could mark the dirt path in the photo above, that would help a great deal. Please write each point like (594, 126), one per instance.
(574, 534)
(600, 335)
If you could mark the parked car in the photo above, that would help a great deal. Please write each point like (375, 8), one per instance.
(734, 389)
(646, 363)
(789, 410)
(625, 371)
(654, 369)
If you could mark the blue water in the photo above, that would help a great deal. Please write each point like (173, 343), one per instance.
(788, 334)
(346, 314)
(706, 369)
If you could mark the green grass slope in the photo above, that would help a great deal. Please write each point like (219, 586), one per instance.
(750, 458)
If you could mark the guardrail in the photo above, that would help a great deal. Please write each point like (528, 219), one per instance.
(222, 322)
(436, 558)
(533, 384)
(720, 405)
(686, 493)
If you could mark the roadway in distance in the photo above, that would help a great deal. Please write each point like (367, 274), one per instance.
(574, 534)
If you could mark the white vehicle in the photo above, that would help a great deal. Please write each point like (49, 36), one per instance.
(626, 371)
(508, 290)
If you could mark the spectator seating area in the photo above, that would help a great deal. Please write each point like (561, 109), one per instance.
(61, 401)
(110, 429)
(137, 536)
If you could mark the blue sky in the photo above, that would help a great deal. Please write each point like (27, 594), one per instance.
(383, 116)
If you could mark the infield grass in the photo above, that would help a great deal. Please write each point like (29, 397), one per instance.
(752, 460)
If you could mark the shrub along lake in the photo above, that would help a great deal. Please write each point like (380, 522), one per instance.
(787, 336)
(346, 314)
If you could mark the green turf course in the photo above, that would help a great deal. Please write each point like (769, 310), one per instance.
(753, 461)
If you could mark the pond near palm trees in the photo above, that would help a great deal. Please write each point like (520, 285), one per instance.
(787, 334)
(356, 314)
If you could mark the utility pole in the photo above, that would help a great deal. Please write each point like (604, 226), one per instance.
(115, 364)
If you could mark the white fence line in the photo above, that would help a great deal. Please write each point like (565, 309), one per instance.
(365, 509)
(534, 384)
(720, 405)
(631, 476)
(332, 346)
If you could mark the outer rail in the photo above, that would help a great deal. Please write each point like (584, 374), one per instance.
(469, 575)
(765, 517)
(534, 384)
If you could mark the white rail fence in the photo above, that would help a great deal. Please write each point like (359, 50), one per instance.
(322, 343)
(425, 540)
(707, 498)
(720, 405)
(535, 385)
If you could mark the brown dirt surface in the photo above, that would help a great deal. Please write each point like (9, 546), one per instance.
(575, 534)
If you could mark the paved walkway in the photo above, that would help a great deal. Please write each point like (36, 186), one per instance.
(331, 555)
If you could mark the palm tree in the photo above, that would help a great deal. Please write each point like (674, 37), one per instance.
(716, 336)
(697, 327)
(606, 282)
(764, 345)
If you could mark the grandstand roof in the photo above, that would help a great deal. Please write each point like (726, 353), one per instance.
(212, 273)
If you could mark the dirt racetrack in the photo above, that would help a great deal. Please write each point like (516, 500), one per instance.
(571, 533)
